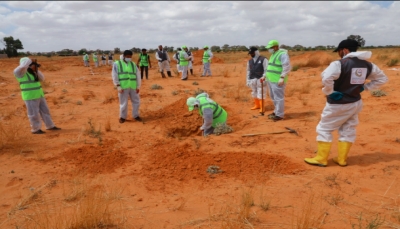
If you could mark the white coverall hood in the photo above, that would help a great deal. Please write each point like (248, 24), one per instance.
(25, 61)
(362, 55)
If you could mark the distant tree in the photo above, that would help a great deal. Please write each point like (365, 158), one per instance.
(117, 50)
(282, 46)
(358, 38)
(298, 47)
(225, 48)
(81, 51)
(135, 50)
(12, 46)
(320, 47)
(262, 48)
(215, 48)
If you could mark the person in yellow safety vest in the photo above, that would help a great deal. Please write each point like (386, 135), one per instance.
(163, 61)
(184, 59)
(86, 59)
(207, 56)
(125, 77)
(144, 63)
(211, 112)
(256, 69)
(29, 78)
(343, 81)
(176, 58)
(276, 76)
(95, 59)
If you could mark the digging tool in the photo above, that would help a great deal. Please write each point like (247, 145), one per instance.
(262, 99)
(289, 130)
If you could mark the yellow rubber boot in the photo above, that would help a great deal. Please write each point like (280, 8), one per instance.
(262, 105)
(322, 155)
(256, 104)
(343, 150)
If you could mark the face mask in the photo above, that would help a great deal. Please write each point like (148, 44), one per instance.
(128, 59)
(271, 51)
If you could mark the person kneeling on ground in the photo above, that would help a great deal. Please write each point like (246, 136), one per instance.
(125, 76)
(29, 78)
(211, 112)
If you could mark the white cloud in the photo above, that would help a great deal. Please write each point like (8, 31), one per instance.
(52, 26)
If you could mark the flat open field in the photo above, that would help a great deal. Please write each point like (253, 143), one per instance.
(98, 173)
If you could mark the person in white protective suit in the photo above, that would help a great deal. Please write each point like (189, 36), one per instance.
(190, 66)
(343, 81)
(256, 69)
(207, 56)
(184, 59)
(110, 58)
(211, 112)
(163, 61)
(29, 78)
(176, 58)
(125, 76)
(86, 59)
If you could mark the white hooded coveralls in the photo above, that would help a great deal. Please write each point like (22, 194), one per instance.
(344, 117)
(37, 108)
(127, 93)
(255, 84)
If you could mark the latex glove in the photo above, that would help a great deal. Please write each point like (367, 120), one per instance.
(137, 91)
(119, 89)
(336, 95)
(248, 83)
(362, 88)
(281, 82)
(201, 128)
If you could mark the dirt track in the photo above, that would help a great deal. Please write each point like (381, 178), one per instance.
(158, 168)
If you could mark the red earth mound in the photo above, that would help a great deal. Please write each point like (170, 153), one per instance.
(181, 163)
(177, 120)
(198, 56)
(95, 159)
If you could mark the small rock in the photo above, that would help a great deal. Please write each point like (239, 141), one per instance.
(12, 171)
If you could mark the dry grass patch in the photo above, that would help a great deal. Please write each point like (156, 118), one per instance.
(14, 135)
(310, 215)
(107, 126)
(109, 97)
(239, 93)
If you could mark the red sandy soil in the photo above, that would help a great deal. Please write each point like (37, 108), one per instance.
(158, 166)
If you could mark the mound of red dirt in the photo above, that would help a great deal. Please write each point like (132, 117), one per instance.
(102, 158)
(181, 163)
(198, 57)
(177, 120)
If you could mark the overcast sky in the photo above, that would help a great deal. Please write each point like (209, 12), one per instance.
(53, 26)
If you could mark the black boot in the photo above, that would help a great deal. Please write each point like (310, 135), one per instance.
(191, 71)
(169, 73)
(163, 75)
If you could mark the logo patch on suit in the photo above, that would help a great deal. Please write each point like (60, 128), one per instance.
(358, 75)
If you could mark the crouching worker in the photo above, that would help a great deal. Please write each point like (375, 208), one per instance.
(211, 112)
(343, 81)
(29, 78)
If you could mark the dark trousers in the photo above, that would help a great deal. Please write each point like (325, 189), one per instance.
(146, 68)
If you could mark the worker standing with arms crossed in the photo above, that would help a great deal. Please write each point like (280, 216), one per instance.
(343, 82)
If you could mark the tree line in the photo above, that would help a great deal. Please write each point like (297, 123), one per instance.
(12, 46)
